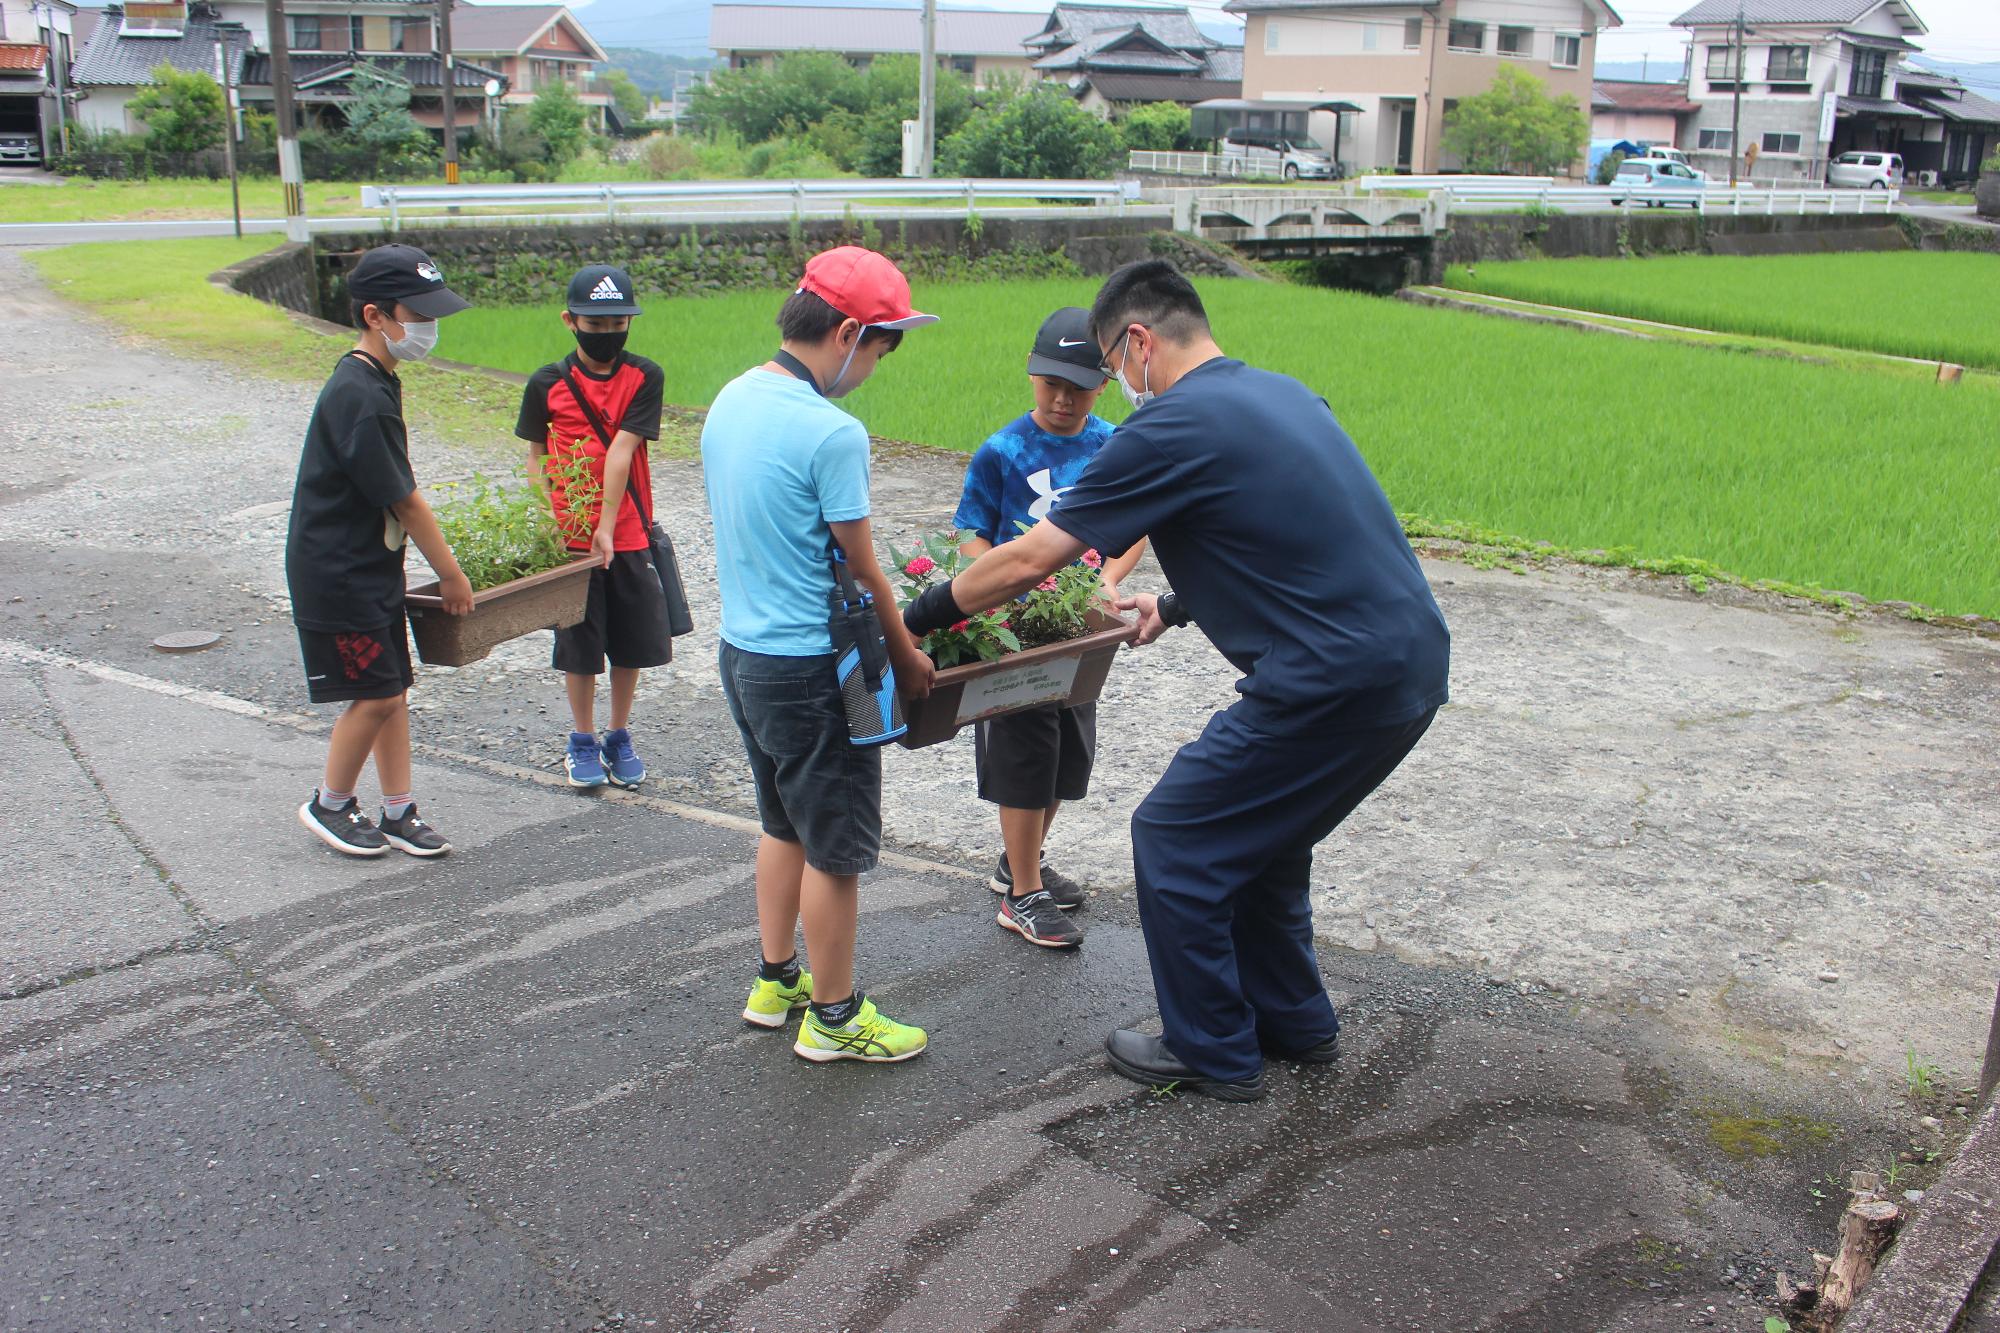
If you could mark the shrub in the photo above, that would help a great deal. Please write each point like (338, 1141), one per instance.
(561, 121)
(1515, 126)
(1607, 170)
(1160, 127)
(1041, 133)
(182, 112)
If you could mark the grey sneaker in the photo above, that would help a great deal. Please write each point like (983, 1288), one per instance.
(411, 834)
(1037, 919)
(1066, 892)
(346, 829)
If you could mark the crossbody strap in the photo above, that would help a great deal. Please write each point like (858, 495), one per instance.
(604, 436)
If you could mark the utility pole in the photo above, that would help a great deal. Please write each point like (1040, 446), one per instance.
(289, 172)
(450, 103)
(927, 93)
(1736, 102)
(229, 133)
(58, 58)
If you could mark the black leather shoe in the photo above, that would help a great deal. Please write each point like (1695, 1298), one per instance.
(1147, 1060)
(1319, 1053)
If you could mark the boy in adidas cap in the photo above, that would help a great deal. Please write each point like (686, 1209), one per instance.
(787, 478)
(1030, 762)
(354, 502)
(602, 404)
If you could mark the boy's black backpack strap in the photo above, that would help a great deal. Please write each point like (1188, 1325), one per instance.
(605, 435)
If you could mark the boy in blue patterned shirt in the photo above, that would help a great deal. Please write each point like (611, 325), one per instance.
(1031, 762)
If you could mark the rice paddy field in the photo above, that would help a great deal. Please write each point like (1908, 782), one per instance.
(1872, 483)
(1940, 307)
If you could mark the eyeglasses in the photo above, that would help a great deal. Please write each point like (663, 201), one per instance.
(1105, 364)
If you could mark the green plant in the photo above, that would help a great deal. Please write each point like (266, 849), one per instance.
(1161, 127)
(1516, 126)
(1040, 133)
(559, 118)
(1059, 607)
(984, 637)
(182, 111)
(501, 532)
(1607, 170)
(1921, 1079)
(1773, 1324)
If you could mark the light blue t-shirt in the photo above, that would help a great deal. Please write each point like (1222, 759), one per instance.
(780, 463)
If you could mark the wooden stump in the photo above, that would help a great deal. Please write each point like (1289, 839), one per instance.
(1866, 1229)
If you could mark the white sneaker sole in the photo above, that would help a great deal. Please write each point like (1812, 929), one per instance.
(320, 831)
(410, 848)
(820, 1056)
(623, 785)
(1008, 923)
(586, 784)
(767, 1020)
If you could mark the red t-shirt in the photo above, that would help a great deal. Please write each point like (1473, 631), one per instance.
(629, 398)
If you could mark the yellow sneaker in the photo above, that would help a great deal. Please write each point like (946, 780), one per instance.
(772, 1002)
(869, 1035)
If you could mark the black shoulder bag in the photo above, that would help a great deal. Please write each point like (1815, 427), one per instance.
(680, 620)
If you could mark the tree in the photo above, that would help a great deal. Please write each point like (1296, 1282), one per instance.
(625, 95)
(558, 118)
(182, 112)
(890, 89)
(1041, 133)
(1516, 127)
(790, 96)
(1159, 127)
(379, 116)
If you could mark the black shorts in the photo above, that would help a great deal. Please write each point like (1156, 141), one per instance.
(343, 665)
(815, 787)
(1032, 759)
(625, 620)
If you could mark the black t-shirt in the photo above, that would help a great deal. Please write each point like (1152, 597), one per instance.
(344, 550)
(1280, 543)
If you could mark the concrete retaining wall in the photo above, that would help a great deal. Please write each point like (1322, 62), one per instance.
(1512, 236)
(284, 277)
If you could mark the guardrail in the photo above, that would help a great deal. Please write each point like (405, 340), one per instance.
(793, 196)
(1199, 164)
(1739, 202)
(1452, 183)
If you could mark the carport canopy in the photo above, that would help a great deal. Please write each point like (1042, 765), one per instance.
(1218, 115)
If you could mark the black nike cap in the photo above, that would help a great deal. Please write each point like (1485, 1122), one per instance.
(1065, 350)
(391, 273)
(602, 289)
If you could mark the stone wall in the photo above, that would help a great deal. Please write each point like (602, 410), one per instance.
(1512, 236)
(284, 277)
(672, 259)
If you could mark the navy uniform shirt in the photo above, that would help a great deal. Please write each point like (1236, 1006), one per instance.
(1280, 544)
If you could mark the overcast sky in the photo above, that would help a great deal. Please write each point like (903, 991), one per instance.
(1959, 30)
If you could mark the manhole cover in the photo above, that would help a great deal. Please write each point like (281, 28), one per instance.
(187, 641)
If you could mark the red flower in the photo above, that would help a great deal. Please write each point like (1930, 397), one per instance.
(960, 627)
(1093, 559)
(1046, 585)
(920, 566)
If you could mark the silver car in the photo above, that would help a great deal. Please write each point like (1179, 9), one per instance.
(1866, 171)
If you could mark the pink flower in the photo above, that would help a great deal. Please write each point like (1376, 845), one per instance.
(920, 566)
(1046, 585)
(1093, 559)
(960, 627)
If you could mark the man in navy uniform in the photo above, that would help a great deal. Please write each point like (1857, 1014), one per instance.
(1282, 548)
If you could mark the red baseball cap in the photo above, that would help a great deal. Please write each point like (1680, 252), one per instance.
(863, 285)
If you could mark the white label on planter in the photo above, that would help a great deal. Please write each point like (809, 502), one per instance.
(1018, 687)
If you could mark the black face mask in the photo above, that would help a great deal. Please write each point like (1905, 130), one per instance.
(601, 347)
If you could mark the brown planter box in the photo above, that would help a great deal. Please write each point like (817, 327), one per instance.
(549, 600)
(1071, 672)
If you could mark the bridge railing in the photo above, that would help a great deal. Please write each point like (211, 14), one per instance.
(782, 198)
(1739, 202)
(1198, 164)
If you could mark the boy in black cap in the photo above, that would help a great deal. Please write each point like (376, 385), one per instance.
(354, 502)
(601, 403)
(1030, 762)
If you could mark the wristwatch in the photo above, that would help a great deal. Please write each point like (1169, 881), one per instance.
(1170, 611)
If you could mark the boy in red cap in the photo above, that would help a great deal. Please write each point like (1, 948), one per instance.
(787, 478)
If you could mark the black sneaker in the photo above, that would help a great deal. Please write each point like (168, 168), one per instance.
(1066, 892)
(1038, 920)
(411, 834)
(345, 830)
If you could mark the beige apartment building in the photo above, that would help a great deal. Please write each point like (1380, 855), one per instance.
(1398, 68)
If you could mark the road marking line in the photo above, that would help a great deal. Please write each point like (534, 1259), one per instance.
(16, 651)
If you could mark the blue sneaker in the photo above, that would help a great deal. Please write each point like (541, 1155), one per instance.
(627, 769)
(584, 761)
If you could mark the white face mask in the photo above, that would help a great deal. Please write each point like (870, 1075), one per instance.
(834, 388)
(1137, 397)
(416, 342)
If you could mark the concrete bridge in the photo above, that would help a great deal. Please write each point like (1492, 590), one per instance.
(1308, 222)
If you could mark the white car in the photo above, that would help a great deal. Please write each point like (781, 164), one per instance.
(1866, 171)
(1273, 153)
(1658, 182)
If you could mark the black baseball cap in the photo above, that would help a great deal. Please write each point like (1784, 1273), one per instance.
(1065, 350)
(391, 273)
(602, 289)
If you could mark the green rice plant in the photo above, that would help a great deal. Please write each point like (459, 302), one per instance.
(1670, 457)
(501, 531)
(1938, 307)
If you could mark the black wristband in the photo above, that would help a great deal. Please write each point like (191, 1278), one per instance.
(932, 609)
(1170, 611)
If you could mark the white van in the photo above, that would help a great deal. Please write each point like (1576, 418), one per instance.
(1274, 153)
(1866, 171)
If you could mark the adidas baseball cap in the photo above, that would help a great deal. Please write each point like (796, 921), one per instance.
(391, 273)
(1065, 350)
(863, 285)
(602, 289)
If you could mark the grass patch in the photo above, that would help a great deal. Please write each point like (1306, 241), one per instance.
(1947, 197)
(1749, 1137)
(1935, 306)
(79, 200)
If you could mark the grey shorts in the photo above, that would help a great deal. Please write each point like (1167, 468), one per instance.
(814, 786)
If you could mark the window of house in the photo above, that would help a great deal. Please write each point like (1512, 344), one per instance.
(1781, 143)
(1721, 141)
(1466, 36)
(1569, 50)
(1413, 34)
(1789, 64)
(302, 30)
(144, 19)
(1869, 67)
(964, 65)
(1517, 41)
(1722, 65)
(1370, 36)
(1270, 35)
(409, 34)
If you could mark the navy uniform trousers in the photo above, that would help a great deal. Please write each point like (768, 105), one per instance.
(1222, 849)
